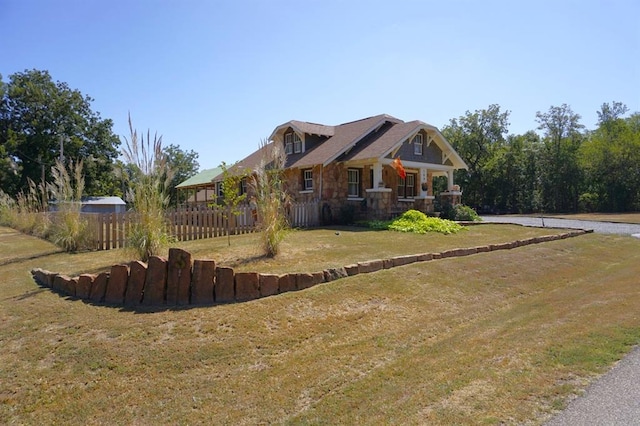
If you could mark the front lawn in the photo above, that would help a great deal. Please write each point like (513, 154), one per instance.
(498, 337)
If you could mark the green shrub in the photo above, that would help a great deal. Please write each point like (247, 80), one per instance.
(69, 229)
(459, 212)
(419, 223)
(588, 202)
(377, 224)
(465, 213)
(346, 214)
(447, 212)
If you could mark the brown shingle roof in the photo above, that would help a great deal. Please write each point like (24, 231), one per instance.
(346, 135)
(250, 162)
(387, 141)
(312, 128)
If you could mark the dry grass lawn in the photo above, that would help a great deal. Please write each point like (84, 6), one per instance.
(493, 338)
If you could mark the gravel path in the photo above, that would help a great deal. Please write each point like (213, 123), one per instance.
(599, 227)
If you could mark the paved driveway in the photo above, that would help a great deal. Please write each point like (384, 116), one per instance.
(599, 227)
(614, 399)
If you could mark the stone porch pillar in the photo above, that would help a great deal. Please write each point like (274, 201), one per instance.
(378, 202)
(452, 195)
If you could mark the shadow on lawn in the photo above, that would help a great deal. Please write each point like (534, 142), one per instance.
(26, 295)
(136, 309)
(25, 258)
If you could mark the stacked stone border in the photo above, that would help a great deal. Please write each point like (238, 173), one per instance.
(179, 281)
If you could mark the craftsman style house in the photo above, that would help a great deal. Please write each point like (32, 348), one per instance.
(377, 167)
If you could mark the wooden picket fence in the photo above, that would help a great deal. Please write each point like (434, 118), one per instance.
(110, 230)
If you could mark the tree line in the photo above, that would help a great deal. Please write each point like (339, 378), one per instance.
(564, 168)
(42, 121)
(558, 167)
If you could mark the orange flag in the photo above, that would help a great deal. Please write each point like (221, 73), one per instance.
(397, 164)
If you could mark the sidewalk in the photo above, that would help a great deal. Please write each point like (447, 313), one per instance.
(613, 399)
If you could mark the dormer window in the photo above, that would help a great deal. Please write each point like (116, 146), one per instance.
(288, 143)
(297, 143)
(417, 144)
(292, 143)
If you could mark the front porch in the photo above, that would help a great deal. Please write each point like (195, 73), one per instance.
(372, 191)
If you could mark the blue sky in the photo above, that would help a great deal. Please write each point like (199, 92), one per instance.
(218, 76)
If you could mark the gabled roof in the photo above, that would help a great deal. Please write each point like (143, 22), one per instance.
(396, 135)
(305, 127)
(203, 178)
(380, 135)
(345, 137)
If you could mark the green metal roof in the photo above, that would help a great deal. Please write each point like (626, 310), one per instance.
(201, 179)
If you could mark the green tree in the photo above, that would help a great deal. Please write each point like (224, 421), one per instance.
(561, 174)
(610, 157)
(41, 121)
(184, 165)
(232, 195)
(513, 173)
(9, 169)
(477, 137)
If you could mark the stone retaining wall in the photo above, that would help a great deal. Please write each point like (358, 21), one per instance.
(179, 281)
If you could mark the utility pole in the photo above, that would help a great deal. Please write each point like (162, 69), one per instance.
(61, 149)
(42, 166)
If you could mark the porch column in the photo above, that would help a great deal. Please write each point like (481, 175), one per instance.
(450, 180)
(424, 189)
(377, 176)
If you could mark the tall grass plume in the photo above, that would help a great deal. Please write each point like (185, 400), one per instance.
(69, 229)
(27, 212)
(148, 193)
(270, 197)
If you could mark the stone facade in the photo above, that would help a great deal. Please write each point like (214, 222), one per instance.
(330, 186)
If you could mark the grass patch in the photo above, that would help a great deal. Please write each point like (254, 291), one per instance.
(318, 249)
(499, 337)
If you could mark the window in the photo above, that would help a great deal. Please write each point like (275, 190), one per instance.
(353, 179)
(297, 143)
(407, 186)
(410, 186)
(307, 180)
(292, 143)
(219, 190)
(417, 144)
(243, 186)
(288, 143)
